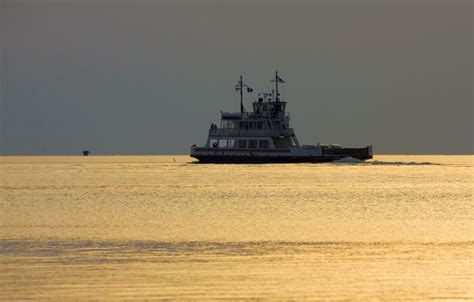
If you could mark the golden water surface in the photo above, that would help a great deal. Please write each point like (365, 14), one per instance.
(157, 227)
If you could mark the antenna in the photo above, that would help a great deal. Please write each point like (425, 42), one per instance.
(277, 80)
(240, 86)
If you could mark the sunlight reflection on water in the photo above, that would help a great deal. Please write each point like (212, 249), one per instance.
(159, 227)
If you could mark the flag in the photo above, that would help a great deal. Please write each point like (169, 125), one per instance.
(249, 89)
(280, 80)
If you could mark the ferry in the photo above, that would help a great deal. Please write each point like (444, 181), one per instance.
(264, 135)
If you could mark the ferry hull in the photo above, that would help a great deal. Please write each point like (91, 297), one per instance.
(212, 159)
(216, 156)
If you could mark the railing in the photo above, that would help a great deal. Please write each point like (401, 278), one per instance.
(249, 132)
(277, 115)
(251, 115)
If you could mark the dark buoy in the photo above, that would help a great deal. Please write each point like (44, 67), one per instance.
(85, 152)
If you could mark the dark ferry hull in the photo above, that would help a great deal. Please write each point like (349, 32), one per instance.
(228, 156)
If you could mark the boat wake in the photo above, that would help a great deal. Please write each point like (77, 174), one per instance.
(400, 163)
(347, 160)
(351, 160)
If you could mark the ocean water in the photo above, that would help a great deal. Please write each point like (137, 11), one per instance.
(161, 227)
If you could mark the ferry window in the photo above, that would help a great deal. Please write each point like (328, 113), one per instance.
(222, 143)
(242, 144)
(252, 144)
(263, 144)
(259, 125)
(213, 142)
(232, 143)
(241, 125)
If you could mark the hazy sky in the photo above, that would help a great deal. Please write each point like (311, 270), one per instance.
(140, 77)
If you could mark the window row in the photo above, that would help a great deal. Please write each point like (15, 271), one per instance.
(252, 144)
(250, 125)
(240, 143)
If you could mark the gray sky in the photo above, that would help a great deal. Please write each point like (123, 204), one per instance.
(149, 77)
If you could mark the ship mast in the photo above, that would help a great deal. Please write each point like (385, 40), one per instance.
(277, 80)
(240, 86)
